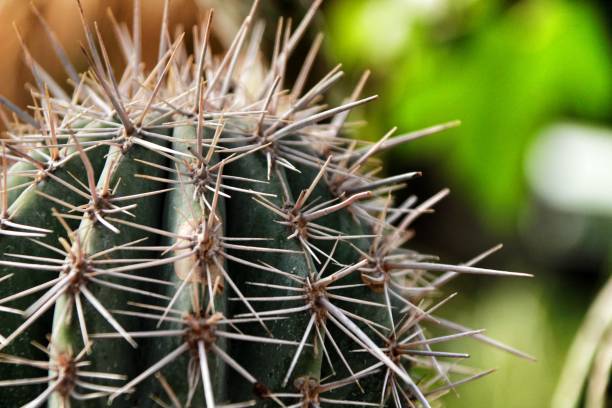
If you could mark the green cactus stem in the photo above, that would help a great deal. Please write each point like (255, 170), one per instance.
(202, 234)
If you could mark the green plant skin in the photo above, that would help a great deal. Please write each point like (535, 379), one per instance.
(249, 219)
(32, 209)
(343, 220)
(113, 356)
(180, 214)
(241, 217)
(18, 183)
(117, 356)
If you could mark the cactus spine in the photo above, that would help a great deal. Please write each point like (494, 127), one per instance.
(195, 235)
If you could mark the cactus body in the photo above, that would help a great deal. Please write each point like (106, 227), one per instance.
(210, 239)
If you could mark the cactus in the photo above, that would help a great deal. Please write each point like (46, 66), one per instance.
(201, 234)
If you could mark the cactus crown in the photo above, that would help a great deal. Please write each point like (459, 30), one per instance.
(201, 234)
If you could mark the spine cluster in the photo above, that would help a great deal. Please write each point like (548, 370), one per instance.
(201, 233)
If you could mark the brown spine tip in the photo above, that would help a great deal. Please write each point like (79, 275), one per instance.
(261, 391)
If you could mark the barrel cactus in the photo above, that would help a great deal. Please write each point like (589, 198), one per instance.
(199, 233)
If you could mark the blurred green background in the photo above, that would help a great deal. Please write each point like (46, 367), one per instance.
(530, 166)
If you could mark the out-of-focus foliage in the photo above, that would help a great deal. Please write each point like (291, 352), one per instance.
(504, 71)
(508, 70)
(519, 317)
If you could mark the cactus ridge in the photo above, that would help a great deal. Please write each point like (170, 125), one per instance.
(202, 234)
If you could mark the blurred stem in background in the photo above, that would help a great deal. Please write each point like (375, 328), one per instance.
(590, 358)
